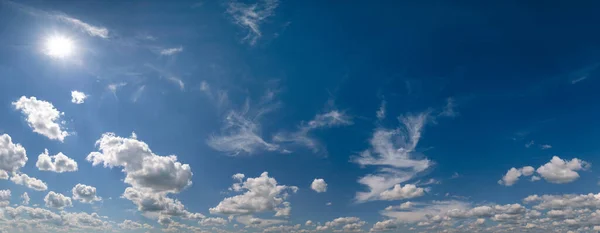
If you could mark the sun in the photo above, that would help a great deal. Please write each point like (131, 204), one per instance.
(59, 46)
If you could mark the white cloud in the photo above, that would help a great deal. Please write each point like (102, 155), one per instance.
(113, 87)
(144, 170)
(328, 203)
(562, 171)
(158, 204)
(133, 225)
(42, 117)
(85, 193)
(78, 97)
(89, 29)
(12, 156)
(308, 223)
(262, 194)
(399, 192)
(213, 222)
(556, 171)
(55, 163)
(343, 224)
(329, 119)
(177, 81)
(394, 152)
(25, 198)
(251, 221)
(251, 16)
(29, 182)
(319, 185)
(529, 144)
(5, 197)
(546, 146)
(57, 200)
(381, 112)
(138, 93)
(241, 133)
(450, 108)
(171, 51)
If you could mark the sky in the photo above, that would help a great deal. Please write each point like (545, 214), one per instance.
(299, 116)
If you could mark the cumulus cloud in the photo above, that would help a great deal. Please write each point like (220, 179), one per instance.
(12, 156)
(171, 51)
(55, 163)
(560, 171)
(5, 197)
(57, 200)
(329, 119)
(251, 221)
(25, 198)
(42, 117)
(85, 193)
(319, 185)
(556, 171)
(144, 170)
(213, 222)
(241, 133)
(251, 16)
(393, 151)
(133, 225)
(159, 204)
(261, 194)
(399, 192)
(343, 224)
(78, 97)
(29, 182)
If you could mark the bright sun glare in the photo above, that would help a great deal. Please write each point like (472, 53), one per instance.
(59, 47)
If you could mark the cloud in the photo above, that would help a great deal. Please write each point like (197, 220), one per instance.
(251, 16)
(12, 156)
(546, 146)
(29, 182)
(85, 193)
(262, 194)
(57, 200)
(89, 29)
(529, 144)
(560, 171)
(25, 198)
(113, 87)
(213, 222)
(319, 185)
(177, 81)
(329, 119)
(393, 151)
(144, 170)
(450, 108)
(241, 131)
(132, 225)
(251, 221)
(42, 117)
(574, 81)
(556, 171)
(159, 204)
(78, 97)
(399, 192)
(55, 163)
(343, 224)
(136, 95)
(171, 51)
(5, 197)
(381, 112)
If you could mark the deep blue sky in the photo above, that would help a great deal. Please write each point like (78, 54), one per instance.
(500, 84)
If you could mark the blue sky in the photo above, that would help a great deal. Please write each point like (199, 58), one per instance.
(299, 116)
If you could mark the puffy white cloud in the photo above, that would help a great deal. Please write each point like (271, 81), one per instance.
(42, 117)
(29, 182)
(85, 193)
(212, 222)
(319, 185)
(159, 204)
(251, 16)
(132, 225)
(78, 97)
(567, 201)
(308, 223)
(55, 163)
(144, 170)
(171, 51)
(251, 221)
(399, 192)
(283, 229)
(262, 194)
(12, 156)
(25, 198)
(343, 224)
(562, 171)
(394, 152)
(556, 171)
(57, 200)
(329, 119)
(386, 225)
(381, 112)
(5, 197)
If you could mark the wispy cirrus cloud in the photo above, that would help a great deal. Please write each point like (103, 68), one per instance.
(251, 16)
